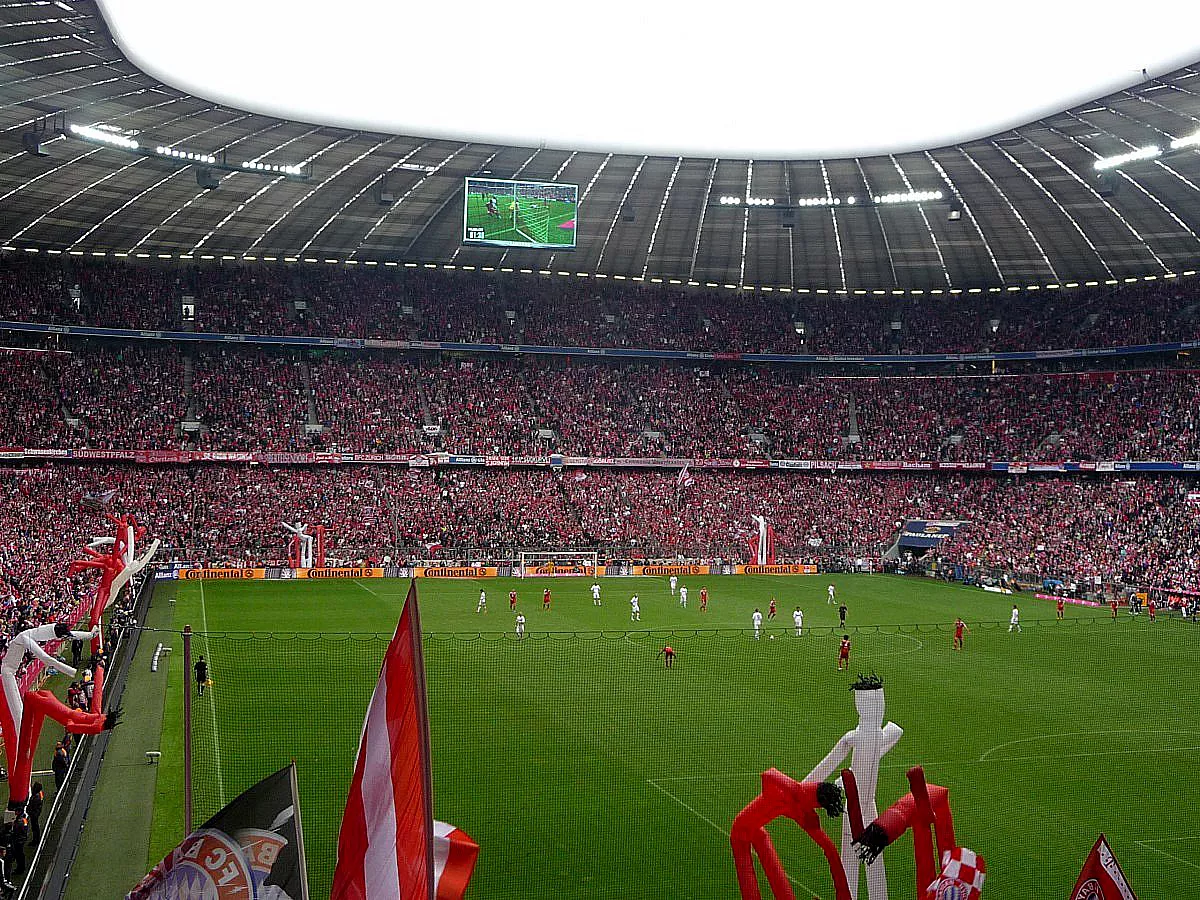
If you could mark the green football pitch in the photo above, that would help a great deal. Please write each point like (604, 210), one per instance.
(584, 768)
(540, 222)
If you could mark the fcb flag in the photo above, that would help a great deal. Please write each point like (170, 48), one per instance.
(99, 499)
(389, 846)
(685, 479)
(253, 848)
(1102, 878)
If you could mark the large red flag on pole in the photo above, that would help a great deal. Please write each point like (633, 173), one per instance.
(385, 847)
(390, 848)
(1102, 878)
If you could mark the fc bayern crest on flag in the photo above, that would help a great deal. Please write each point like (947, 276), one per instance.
(963, 874)
(1089, 890)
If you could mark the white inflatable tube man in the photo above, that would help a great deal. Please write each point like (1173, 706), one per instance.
(866, 746)
(300, 530)
(30, 641)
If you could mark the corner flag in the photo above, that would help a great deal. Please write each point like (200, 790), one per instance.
(389, 847)
(1102, 878)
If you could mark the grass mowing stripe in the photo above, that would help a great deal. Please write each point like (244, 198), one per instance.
(212, 706)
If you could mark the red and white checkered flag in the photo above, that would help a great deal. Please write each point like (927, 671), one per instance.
(962, 876)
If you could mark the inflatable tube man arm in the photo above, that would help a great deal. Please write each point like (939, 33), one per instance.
(833, 759)
(799, 801)
(30, 641)
(129, 571)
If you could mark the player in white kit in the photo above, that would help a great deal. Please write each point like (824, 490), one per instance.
(635, 611)
(674, 581)
(683, 597)
(1014, 620)
(757, 619)
(595, 593)
(520, 625)
(798, 618)
(830, 591)
(482, 606)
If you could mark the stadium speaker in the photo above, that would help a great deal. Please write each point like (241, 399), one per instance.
(31, 141)
(1106, 184)
(207, 179)
(955, 215)
(628, 214)
(788, 218)
(384, 195)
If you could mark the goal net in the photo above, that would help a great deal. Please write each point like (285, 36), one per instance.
(559, 563)
(532, 219)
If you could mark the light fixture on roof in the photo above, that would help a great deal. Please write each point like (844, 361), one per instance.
(101, 136)
(186, 155)
(908, 197)
(1111, 162)
(1192, 140)
(730, 201)
(256, 166)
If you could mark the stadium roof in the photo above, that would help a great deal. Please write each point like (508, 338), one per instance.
(922, 73)
(1033, 211)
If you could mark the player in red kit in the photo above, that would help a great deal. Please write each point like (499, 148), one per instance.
(1113, 603)
(959, 627)
(771, 609)
(512, 600)
(546, 598)
(704, 599)
(1151, 608)
(844, 653)
(668, 655)
(1058, 609)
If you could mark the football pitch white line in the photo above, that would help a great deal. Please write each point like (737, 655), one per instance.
(370, 590)
(704, 818)
(1062, 734)
(1145, 845)
(212, 706)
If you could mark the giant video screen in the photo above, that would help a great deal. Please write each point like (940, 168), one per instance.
(534, 214)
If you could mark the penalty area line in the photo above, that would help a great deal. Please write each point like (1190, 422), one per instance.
(1145, 845)
(707, 820)
(212, 707)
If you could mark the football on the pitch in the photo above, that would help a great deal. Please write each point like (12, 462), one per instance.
(772, 637)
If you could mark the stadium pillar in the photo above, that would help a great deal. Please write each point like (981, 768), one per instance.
(187, 729)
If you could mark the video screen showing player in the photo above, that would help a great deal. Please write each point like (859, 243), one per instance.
(530, 214)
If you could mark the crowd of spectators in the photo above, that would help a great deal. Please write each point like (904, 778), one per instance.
(152, 397)
(419, 304)
(1143, 530)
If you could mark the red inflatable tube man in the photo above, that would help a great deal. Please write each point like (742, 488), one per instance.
(924, 806)
(784, 797)
(40, 705)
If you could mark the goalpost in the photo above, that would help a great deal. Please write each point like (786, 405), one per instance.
(558, 563)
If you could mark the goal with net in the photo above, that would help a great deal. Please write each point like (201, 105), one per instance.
(559, 563)
(531, 218)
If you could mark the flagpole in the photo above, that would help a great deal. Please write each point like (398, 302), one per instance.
(299, 832)
(187, 729)
(422, 699)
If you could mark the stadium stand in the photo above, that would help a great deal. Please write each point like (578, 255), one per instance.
(466, 307)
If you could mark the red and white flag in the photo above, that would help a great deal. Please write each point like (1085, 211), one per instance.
(685, 479)
(389, 847)
(1102, 878)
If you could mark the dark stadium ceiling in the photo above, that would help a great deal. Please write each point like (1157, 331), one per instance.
(1033, 211)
